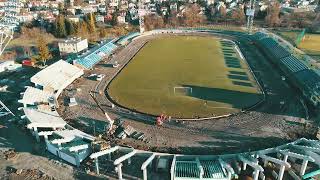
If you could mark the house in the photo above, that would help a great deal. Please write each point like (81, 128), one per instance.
(100, 18)
(72, 45)
(102, 9)
(121, 19)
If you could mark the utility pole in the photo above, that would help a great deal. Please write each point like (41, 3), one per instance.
(250, 14)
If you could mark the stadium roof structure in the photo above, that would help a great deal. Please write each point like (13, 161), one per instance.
(73, 134)
(57, 76)
(43, 119)
(32, 96)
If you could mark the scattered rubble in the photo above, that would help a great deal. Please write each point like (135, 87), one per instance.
(29, 174)
(10, 154)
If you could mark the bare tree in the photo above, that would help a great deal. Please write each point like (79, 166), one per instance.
(273, 12)
(173, 20)
(191, 16)
(238, 16)
(153, 22)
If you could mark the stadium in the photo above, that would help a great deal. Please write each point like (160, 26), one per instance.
(186, 76)
(194, 103)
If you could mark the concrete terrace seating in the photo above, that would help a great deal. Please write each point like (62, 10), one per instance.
(268, 42)
(259, 35)
(212, 169)
(125, 39)
(280, 52)
(94, 56)
(293, 64)
(187, 169)
(292, 67)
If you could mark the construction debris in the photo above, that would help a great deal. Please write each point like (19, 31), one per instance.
(10, 154)
(29, 174)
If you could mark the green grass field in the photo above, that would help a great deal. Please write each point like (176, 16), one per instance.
(220, 81)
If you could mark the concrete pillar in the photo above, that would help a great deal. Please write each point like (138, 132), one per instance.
(303, 167)
(77, 159)
(281, 172)
(119, 170)
(97, 165)
(229, 175)
(256, 174)
(35, 129)
(285, 158)
(145, 176)
(244, 166)
(109, 156)
(129, 161)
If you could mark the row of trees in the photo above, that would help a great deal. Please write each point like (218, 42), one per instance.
(191, 17)
(63, 27)
(273, 17)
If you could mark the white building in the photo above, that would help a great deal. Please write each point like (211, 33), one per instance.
(121, 19)
(8, 66)
(72, 45)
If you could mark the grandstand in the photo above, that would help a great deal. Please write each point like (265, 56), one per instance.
(42, 119)
(33, 96)
(56, 77)
(127, 38)
(88, 60)
(285, 161)
(290, 66)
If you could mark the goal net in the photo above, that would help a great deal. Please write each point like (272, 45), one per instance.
(179, 90)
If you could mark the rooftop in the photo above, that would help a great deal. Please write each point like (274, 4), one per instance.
(43, 119)
(57, 75)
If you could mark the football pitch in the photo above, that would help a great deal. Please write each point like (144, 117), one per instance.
(186, 77)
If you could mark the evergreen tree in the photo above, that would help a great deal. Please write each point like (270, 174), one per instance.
(83, 29)
(91, 23)
(44, 53)
(60, 29)
(70, 27)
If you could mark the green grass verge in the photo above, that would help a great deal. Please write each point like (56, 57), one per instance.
(220, 81)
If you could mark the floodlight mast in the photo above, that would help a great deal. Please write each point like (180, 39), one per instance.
(250, 14)
(8, 23)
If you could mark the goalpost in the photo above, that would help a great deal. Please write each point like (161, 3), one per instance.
(182, 90)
